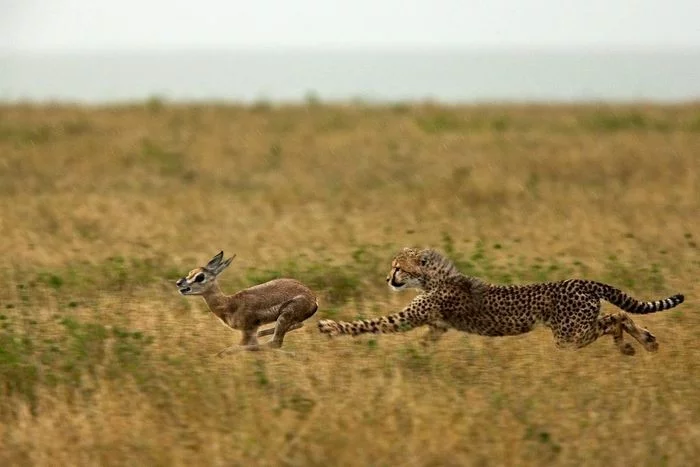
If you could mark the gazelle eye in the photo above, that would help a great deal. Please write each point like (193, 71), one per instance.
(199, 277)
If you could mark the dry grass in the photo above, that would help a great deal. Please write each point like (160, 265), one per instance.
(101, 362)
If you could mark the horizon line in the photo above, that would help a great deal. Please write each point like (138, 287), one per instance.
(366, 48)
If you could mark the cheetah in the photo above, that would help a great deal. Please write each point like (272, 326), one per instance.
(450, 299)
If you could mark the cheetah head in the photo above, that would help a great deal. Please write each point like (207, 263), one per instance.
(409, 269)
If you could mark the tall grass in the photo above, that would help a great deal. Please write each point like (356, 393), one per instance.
(102, 362)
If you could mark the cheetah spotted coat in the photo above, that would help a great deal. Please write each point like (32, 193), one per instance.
(449, 299)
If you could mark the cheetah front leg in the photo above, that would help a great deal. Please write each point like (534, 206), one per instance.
(421, 311)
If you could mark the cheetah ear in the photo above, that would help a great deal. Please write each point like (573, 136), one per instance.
(423, 257)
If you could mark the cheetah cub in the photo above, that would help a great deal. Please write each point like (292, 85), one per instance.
(449, 299)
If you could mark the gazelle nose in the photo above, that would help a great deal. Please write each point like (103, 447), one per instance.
(179, 282)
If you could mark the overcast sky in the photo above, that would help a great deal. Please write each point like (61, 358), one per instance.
(172, 24)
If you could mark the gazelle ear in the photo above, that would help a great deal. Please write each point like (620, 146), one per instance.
(215, 261)
(223, 265)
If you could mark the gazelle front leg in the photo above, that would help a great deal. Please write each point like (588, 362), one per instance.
(251, 344)
(248, 342)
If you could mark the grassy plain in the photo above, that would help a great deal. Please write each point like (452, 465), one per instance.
(103, 363)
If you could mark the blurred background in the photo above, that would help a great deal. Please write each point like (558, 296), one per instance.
(527, 141)
(447, 50)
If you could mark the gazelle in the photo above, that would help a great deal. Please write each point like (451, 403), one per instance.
(286, 302)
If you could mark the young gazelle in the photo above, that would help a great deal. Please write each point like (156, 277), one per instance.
(286, 302)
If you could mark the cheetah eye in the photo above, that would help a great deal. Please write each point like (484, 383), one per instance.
(199, 277)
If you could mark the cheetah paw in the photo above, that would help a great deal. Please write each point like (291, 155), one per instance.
(650, 343)
(627, 349)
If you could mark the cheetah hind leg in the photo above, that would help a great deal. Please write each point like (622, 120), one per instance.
(611, 324)
(616, 323)
(642, 335)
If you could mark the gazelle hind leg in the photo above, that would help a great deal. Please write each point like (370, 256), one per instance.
(236, 348)
(295, 312)
(270, 331)
(248, 342)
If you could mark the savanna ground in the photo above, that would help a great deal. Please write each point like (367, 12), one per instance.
(102, 362)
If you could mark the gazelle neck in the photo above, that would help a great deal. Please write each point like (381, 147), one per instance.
(216, 300)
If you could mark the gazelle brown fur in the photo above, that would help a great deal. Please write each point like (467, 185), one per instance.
(285, 302)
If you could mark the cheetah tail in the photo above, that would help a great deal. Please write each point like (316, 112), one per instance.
(385, 324)
(624, 301)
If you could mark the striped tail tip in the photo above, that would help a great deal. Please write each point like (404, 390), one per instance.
(676, 300)
(659, 305)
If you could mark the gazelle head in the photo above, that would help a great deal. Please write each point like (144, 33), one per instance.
(199, 280)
